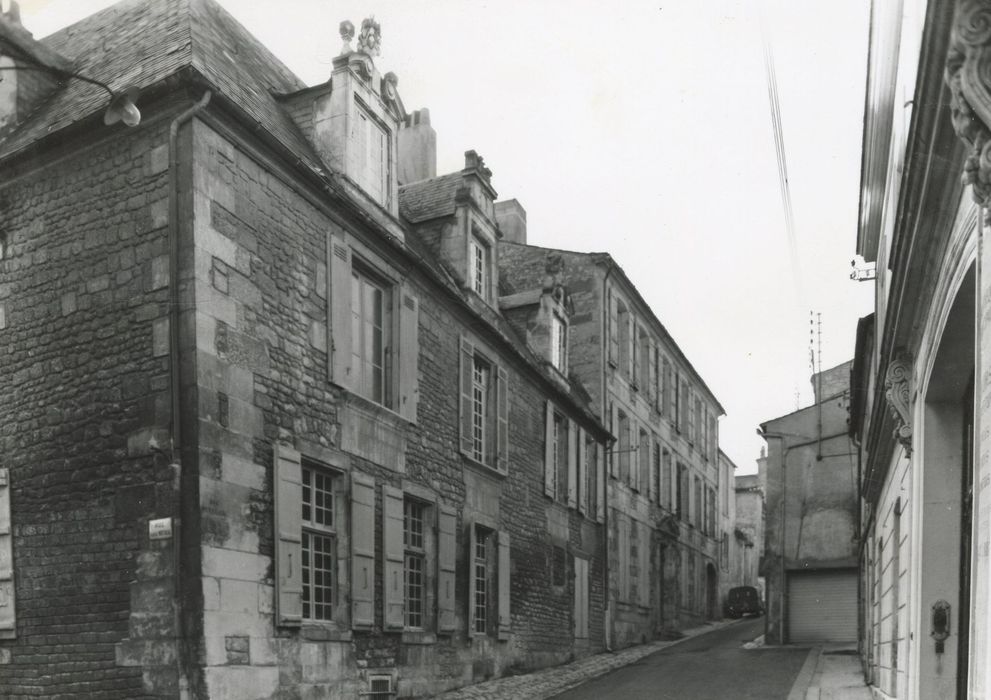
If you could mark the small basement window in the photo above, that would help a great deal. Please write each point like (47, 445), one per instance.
(379, 687)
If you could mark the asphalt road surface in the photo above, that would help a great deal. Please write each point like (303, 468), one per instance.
(712, 666)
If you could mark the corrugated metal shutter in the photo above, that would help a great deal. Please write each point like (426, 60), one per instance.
(822, 606)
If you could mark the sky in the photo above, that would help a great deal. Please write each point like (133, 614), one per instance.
(642, 129)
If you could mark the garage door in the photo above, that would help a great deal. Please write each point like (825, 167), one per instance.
(822, 606)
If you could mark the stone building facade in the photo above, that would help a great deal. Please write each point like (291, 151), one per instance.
(810, 546)
(264, 438)
(920, 413)
(663, 471)
(749, 530)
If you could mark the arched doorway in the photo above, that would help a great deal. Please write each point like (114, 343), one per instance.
(711, 592)
(945, 505)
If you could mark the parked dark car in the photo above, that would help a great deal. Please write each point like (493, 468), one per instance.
(743, 600)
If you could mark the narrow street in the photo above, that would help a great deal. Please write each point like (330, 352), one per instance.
(712, 666)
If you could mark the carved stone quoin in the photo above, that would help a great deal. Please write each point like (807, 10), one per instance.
(968, 75)
(898, 392)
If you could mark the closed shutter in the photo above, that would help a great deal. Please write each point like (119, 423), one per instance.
(549, 466)
(289, 533)
(409, 351)
(502, 387)
(393, 555)
(600, 482)
(652, 373)
(614, 429)
(467, 365)
(505, 621)
(362, 551)
(581, 598)
(612, 323)
(446, 553)
(637, 350)
(582, 473)
(339, 310)
(572, 464)
(8, 616)
(668, 398)
(822, 606)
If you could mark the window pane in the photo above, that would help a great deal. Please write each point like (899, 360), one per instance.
(319, 575)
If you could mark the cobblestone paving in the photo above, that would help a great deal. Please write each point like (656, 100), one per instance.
(549, 682)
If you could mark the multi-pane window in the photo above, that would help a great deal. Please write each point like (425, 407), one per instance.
(414, 567)
(371, 335)
(480, 408)
(559, 343)
(319, 545)
(479, 267)
(371, 144)
(482, 592)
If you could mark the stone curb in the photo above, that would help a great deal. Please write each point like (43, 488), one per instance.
(547, 683)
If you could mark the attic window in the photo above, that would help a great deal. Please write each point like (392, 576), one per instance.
(478, 267)
(559, 343)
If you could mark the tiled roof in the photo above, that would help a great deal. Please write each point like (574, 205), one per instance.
(429, 199)
(137, 42)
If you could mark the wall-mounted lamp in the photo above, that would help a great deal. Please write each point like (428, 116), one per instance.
(122, 106)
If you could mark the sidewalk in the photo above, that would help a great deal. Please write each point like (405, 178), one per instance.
(830, 673)
(548, 682)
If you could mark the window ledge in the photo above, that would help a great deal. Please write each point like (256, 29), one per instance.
(418, 637)
(374, 410)
(482, 467)
(314, 631)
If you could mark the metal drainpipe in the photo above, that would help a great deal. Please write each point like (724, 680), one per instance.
(605, 464)
(175, 427)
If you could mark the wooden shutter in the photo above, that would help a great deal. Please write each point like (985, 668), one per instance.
(600, 482)
(447, 519)
(392, 560)
(505, 621)
(668, 391)
(409, 351)
(471, 541)
(652, 374)
(362, 551)
(339, 310)
(637, 352)
(550, 469)
(467, 365)
(651, 474)
(502, 388)
(614, 429)
(582, 473)
(612, 323)
(572, 464)
(289, 533)
(581, 598)
(8, 613)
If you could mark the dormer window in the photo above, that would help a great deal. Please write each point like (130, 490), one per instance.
(559, 343)
(371, 146)
(478, 262)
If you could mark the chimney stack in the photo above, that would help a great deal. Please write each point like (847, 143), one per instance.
(511, 217)
(417, 148)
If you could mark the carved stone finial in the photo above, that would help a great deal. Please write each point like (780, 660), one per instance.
(968, 75)
(898, 392)
(347, 34)
(370, 39)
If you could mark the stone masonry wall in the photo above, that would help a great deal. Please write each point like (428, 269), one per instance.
(84, 382)
(261, 368)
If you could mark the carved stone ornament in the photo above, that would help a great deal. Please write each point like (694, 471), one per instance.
(347, 34)
(370, 39)
(968, 75)
(898, 392)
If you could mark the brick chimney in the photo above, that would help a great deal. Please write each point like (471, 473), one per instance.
(417, 148)
(511, 217)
